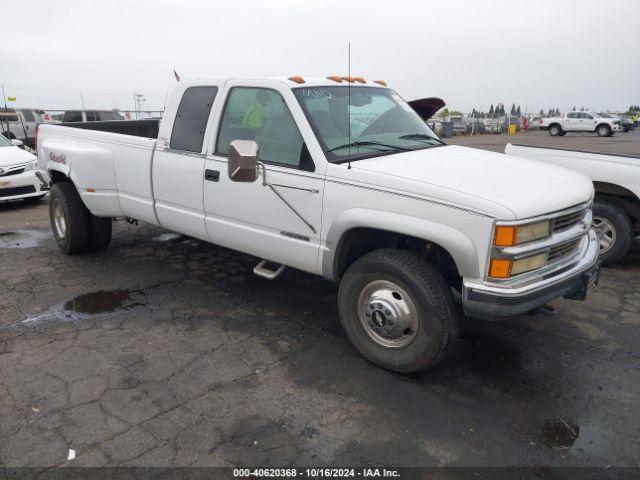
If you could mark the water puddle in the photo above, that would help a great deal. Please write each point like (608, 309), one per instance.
(23, 238)
(98, 302)
(559, 434)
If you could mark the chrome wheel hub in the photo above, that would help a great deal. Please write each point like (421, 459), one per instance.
(388, 314)
(606, 233)
(58, 219)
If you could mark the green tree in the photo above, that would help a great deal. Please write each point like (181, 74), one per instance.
(491, 112)
(518, 111)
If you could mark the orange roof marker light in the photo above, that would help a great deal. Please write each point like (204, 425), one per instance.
(347, 79)
(359, 79)
(380, 82)
(297, 79)
(335, 78)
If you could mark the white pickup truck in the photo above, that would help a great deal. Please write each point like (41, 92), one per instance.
(580, 122)
(616, 181)
(338, 177)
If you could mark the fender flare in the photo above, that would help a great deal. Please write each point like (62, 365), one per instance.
(460, 246)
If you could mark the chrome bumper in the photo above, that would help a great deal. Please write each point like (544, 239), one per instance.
(491, 302)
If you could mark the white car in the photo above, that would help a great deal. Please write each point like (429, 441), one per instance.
(338, 177)
(20, 177)
(580, 122)
(616, 181)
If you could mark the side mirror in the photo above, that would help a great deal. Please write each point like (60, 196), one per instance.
(243, 161)
(17, 143)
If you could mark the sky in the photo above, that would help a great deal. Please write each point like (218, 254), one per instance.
(471, 53)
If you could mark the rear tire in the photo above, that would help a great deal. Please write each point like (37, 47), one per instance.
(397, 310)
(614, 231)
(604, 131)
(70, 219)
(100, 232)
(555, 130)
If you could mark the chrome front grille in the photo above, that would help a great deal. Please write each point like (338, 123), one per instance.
(565, 222)
(560, 252)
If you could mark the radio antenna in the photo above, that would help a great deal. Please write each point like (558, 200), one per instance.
(349, 101)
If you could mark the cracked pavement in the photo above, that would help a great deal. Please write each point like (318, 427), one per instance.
(187, 358)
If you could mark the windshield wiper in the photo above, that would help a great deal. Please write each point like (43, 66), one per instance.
(420, 136)
(369, 143)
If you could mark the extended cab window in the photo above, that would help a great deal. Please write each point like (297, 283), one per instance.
(262, 115)
(191, 119)
(28, 116)
(72, 116)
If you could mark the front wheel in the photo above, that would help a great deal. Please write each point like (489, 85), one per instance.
(397, 310)
(614, 231)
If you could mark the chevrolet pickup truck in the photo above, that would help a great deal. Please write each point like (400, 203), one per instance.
(580, 122)
(338, 177)
(616, 181)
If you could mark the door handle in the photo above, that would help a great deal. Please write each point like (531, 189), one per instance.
(212, 175)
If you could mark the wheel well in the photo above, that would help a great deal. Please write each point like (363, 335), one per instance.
(555, 124)
(359, 241)
(620, 196)
(57, 176)
(603, 124)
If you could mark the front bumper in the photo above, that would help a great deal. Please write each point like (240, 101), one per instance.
(491, 302)
(32, 183)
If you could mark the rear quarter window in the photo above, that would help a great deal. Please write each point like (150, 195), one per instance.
(191, 118)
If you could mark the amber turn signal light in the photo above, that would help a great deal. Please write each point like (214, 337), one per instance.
(505, 236)
(500, 268)
(297, 79)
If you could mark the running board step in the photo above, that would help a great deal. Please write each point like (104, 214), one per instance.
(262, 271)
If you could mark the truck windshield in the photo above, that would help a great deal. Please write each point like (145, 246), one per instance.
(379, 122)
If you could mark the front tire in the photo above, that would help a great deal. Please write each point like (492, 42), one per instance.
(397, 310)
(614, 231)
(70, 219)
(604, 131)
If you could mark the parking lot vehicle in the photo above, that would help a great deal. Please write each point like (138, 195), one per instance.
(338, 177)
(20, 177)
(580, 122)
(90, 116)
(20, 124)
(616, 181)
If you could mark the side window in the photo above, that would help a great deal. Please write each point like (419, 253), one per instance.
(191, 119)
(28, 116)
(572, 115)
(92, 116)
(586, 115)
(262, 115)
(72, 116)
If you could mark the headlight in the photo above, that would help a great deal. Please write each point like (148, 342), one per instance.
(505, 268)
(509, 235)
(31, 165)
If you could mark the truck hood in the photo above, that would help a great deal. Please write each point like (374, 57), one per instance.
(14, 155)
(492, 183)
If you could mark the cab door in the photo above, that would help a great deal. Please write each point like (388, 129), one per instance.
(587, 122)
(178, 165)
(572, 122)
(281, 222)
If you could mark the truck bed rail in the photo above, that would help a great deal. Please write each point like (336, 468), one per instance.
(147, 128)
